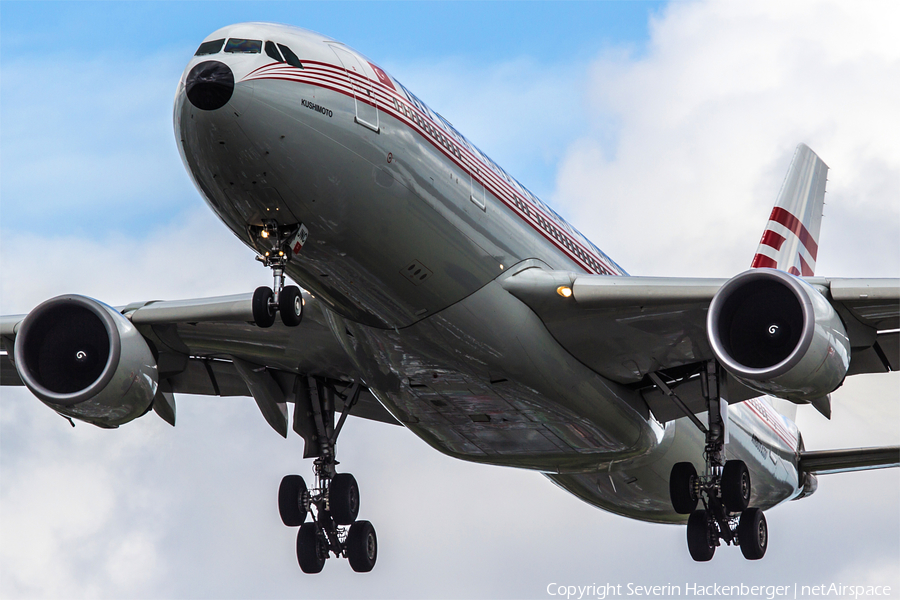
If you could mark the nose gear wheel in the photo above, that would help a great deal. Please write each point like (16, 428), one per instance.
(278, 243)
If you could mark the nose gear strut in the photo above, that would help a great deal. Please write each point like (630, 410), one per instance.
(724, 488)
(279, 243)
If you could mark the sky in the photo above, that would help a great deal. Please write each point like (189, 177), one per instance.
(662, 131)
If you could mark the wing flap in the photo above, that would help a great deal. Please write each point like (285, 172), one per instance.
(8, 373)
(873, 302)
(881, 357)
(851, 459)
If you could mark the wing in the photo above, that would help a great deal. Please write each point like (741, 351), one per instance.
(854, 459)
(635, 330)
(211, 347)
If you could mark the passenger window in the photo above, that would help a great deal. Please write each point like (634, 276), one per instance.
(211, 47)
(289, 57)
(272, 51)
(239, 46)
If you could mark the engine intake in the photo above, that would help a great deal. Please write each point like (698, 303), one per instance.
(778, 335)
(85, 360)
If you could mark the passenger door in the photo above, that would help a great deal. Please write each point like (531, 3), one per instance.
(363, 89)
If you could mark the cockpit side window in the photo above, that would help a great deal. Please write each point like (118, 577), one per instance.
(239, 46)
(289, 57)
(272, 51)
(210, 47)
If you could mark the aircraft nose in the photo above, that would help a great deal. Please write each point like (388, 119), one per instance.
(209, 85)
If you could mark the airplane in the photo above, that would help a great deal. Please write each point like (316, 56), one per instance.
(437, 292)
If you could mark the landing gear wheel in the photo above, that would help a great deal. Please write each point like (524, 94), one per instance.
(753, 534)
(290, 305)
(362, 547)
(735, 485)
(290, 500)
(699, 539)
(311, 554)
(263, 311)
(343, 499)
(682, 491)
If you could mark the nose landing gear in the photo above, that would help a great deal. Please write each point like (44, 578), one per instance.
(282, 242)
(333, 502)
(724, 490)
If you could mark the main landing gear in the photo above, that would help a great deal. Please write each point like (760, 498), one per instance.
(333, 503)
(724, 490)
(281, 242)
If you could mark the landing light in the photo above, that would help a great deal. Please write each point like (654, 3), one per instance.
(564, 291)
(281, 253)
(265, 233)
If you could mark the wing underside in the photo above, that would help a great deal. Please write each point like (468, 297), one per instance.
(200, 345)
(635, 330)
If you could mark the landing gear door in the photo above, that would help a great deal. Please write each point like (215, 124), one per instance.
(363, 89)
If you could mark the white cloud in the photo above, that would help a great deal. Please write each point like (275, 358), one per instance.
(705, 122)
(195, 257)
(705, 125)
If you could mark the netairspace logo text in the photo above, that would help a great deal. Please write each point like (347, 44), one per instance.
(715, 590)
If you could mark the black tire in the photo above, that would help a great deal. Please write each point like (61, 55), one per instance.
(311, 553)
(362, 547)
(735, 486)
(290, 498)
(753, 534)
(700, 542)
(681, 488)
(263, 313)
(343, 499)
(290, 305)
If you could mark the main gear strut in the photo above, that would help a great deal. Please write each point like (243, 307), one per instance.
(333, 502)
(724, 488)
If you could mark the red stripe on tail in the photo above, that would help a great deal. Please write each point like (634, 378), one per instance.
(779, 215)
(772, 239)
(764, 262)
(804, 268)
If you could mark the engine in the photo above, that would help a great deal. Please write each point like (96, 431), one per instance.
(778, 335)
(86, 361)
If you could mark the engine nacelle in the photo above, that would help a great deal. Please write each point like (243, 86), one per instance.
(85, 360)
(778, 335)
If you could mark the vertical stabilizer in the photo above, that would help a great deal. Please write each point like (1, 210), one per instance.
(790, 241)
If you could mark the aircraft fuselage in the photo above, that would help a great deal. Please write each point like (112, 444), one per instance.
(411, 232)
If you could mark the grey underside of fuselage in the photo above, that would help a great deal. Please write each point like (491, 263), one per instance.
(463, 364)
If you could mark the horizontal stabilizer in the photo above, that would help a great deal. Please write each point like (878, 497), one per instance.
(850, 459)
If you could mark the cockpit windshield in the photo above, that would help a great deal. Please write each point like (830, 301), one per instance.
(210, 47)
(273, 53)
(239, 46)
(276, 51)
(289, 57)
